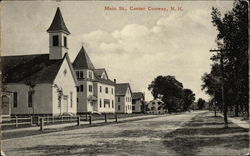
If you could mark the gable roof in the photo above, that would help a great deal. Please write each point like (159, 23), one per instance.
(58, 23)
(71, 68)
(121, 88)
(82, 60)
(99, 72)
(29, 68)
(137, 95)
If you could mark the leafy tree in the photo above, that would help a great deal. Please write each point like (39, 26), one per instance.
(233, 38)
(189, 98)
(172, 93)
(201, 103)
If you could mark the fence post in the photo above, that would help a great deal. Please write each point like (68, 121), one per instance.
(38, 120)
(116, 118)
(105, 116)
(31, 120)
(41, 124)
(78, 121)
(86, 117)
(90, 119)
(16, 121)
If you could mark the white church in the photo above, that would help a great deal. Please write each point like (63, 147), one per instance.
(51, 84)
(41, 83)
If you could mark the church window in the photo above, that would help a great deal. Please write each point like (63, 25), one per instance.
(15, 99)
(30, 99)
(55, 40)
(71, 99)
(65, 41)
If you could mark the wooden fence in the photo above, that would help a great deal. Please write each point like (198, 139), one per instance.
(16, 121)
(42, 121)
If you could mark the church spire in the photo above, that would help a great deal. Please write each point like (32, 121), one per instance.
(58, 37)
(58, 23)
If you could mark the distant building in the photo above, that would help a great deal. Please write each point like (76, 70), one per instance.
(155, 106)
(41, 83)
(96, 92)
(123, 98)
(138, 102)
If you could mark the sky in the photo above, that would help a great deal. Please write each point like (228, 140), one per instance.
(134, 46)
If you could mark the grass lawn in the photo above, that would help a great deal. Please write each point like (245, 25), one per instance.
(205, 135)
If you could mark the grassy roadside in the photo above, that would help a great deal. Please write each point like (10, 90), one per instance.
(205, 135)
(18, 134)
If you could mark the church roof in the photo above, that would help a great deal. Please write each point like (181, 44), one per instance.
(36, 68)
(82, 61)
(121, 88)
(58, 23)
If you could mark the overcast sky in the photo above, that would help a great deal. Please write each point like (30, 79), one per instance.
(133, 46)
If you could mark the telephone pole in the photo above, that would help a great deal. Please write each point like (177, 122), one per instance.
(224, 104)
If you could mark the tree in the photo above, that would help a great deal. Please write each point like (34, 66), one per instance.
(172, 93)
(233, 39)
(189, 98)
(201, 103)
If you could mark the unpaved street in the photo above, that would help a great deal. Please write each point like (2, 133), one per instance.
(142, 137)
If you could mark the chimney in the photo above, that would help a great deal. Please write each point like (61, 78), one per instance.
(114, 80)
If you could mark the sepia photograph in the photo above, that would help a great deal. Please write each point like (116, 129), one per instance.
(121, 78)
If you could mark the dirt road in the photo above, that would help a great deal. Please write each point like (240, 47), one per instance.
(142, 137)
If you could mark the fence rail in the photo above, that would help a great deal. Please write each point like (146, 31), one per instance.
(17, 121)
(42, 121)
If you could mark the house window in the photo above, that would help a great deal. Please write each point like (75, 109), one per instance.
(107, 90)
(90, 74)
(112, 103)
(81, 74)
(77, 100)
(71, 99)
(119, 107)
(107, 102)
(64, 41)
(15, 99)
(77, 88)
(133, 107)
(30, 99)
(56, 41)
(133, 101)
(100, 89)
(112, 91)
(119, 99)
(90, 88)
(100, 102)
(81, 88)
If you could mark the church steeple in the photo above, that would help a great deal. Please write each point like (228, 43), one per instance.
(58, 23)
(58, 34)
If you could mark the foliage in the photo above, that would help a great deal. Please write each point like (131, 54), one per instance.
(172, 93)
(233, 38)
(189, 98)
(201, 103)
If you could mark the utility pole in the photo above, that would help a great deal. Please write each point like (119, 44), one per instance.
(224, 104)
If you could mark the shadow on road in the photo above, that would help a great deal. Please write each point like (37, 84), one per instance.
(206, 131)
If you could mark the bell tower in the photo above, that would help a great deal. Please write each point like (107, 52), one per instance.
(58, 37)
